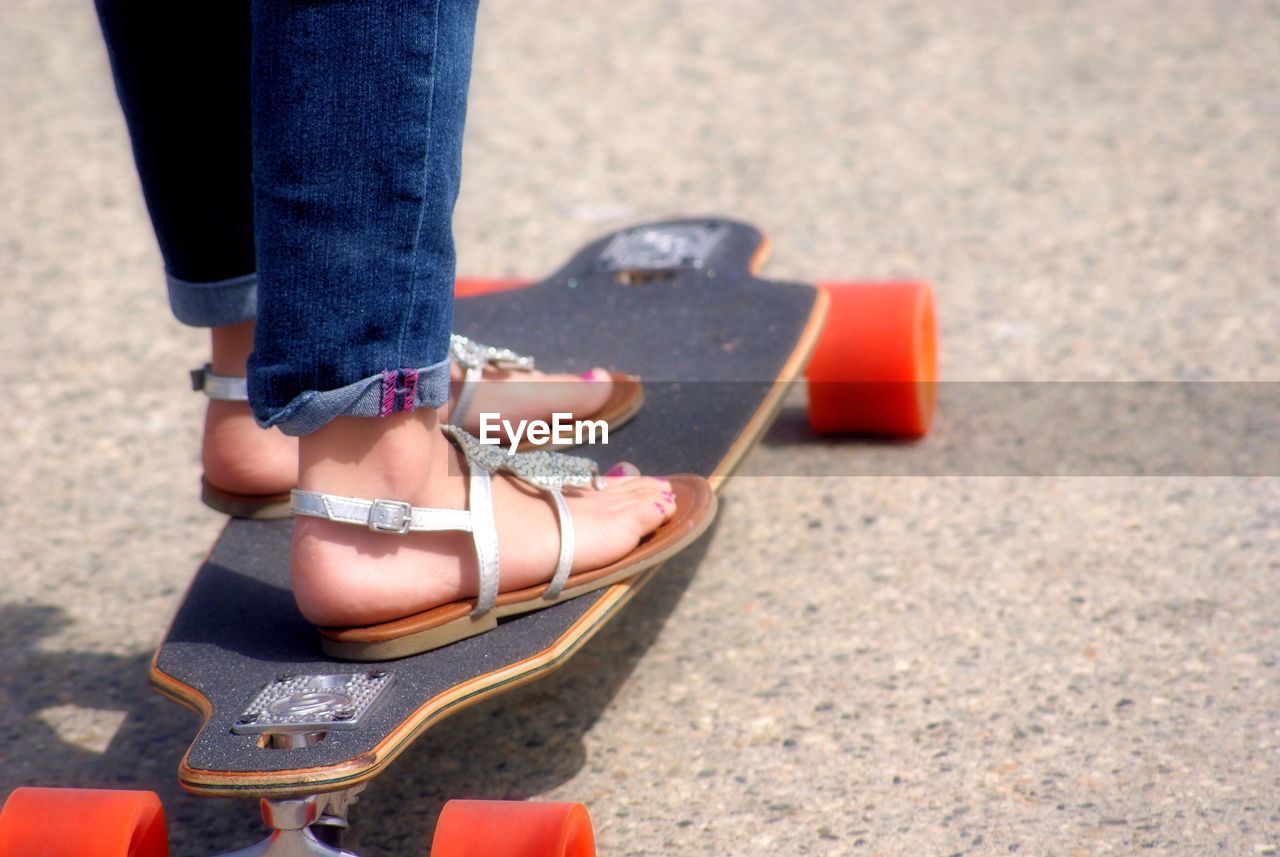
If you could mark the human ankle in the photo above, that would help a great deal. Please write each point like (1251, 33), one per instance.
(393, 457)
(230, 347)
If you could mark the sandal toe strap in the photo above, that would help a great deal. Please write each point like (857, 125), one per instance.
(565, 563)
(549, 472)
(484, 533)
(474, 357)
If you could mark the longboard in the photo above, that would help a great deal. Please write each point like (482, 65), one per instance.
(679, 304)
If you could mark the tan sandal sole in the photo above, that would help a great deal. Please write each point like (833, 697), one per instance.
(257, 507)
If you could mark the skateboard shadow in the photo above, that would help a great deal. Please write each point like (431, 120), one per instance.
(523, 743)
(91, 720)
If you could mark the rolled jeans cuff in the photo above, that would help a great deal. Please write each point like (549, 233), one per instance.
(215, 304)
(380, 395)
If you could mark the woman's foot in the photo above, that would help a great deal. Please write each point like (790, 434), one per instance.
(241, 458)
(345, 575)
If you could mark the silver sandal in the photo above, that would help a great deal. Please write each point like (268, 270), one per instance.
(549, 472)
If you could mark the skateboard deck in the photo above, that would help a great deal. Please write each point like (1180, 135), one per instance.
(677, 303)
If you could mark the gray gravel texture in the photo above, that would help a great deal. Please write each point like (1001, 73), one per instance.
(951, 663)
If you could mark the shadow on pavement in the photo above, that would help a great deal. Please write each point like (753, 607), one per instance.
(43, 747)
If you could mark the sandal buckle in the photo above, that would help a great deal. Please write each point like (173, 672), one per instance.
(390, 516)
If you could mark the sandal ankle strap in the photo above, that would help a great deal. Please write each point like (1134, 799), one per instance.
(394, 517)
(223, 388)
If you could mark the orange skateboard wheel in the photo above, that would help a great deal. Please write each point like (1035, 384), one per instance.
(470, 287)
(498, 828)
(875, 366)
(39, 822)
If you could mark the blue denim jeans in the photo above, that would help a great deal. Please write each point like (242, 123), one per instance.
(300, 162)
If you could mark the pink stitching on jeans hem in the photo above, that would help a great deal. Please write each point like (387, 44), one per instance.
(388, 393)
(410, 389)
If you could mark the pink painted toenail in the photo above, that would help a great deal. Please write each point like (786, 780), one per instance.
(623, 468)
(594, 375)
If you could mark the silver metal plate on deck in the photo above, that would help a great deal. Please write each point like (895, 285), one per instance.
(661, 248)
(313, 703)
